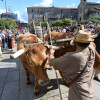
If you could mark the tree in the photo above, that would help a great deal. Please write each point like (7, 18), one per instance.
(2, 26)
(92, 19)
(7, 23)
(67, 22)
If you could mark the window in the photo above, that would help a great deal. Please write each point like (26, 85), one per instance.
(32, 10)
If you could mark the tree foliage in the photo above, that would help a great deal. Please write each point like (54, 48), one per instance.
(7, 23)
(63, 22)
(67, 22)
(92, 19)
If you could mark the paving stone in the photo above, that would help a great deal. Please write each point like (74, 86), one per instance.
(6, 65)
(3, 72)
(15, 66)
(27, 94)
(97, 91)
(57, 97)
(65, 98)
(13, 76)
(64, 95)
(22, 77)
(21, 66)
(11, 91)
(2, 81)
(1, 89)
(51, 98)
(0, 97)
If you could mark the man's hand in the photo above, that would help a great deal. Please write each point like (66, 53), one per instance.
(51, 51)
(51, 56)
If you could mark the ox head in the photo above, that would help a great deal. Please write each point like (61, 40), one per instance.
(35, 58)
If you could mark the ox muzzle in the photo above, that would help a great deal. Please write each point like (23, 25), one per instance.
(43, 82)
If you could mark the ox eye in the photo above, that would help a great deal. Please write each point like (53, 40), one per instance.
(30, 63)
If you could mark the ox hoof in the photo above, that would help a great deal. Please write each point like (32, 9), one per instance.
(28, 83)
(36, 93)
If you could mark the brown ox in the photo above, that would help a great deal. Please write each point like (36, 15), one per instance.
(33, 59)
(70, 48)
(66, 44)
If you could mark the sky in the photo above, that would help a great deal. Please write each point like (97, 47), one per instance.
(20, 6)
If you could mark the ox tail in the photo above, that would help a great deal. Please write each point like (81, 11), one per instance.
(17, 54)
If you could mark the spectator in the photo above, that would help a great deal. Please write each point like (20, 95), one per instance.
(0, 47)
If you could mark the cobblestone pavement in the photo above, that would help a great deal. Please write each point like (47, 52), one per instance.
(13, 86)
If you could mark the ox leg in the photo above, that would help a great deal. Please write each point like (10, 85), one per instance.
(27, 76)
(36, 87)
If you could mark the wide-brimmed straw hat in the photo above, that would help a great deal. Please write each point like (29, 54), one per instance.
(84, 36)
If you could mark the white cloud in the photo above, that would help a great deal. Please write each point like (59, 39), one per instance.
(44, 3)
(22, 17)
(2, 11)
(18, 14)
(98, 2)
(73, 4)
(68, 6)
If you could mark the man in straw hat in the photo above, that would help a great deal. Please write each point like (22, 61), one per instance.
(77, 67)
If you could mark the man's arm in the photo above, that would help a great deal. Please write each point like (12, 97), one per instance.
(51, 56)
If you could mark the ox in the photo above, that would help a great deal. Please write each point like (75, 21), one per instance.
(33, 58)
(69, 48)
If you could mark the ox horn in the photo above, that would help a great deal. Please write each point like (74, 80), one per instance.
(94, 36)
(54, 47)
(72, 42)
(33, 44)
(17, 54)
(64, 40)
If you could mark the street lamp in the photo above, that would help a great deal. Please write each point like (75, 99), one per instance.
(5, 5)
(40, 17)
(71, 20)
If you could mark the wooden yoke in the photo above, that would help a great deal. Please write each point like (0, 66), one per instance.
(55, 70)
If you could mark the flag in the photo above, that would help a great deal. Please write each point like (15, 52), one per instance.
(75, 23)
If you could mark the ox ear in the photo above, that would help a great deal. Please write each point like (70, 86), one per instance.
(72, 43)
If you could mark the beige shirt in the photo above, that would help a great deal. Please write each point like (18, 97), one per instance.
(71, 64)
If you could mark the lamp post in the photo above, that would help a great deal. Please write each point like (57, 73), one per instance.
(5, 5)
(71, 20)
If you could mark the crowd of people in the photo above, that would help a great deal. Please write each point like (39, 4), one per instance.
(73, 29)
(8, 38)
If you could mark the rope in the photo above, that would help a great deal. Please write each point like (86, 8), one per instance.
(55, 70)
(41, 36)
(34, 29)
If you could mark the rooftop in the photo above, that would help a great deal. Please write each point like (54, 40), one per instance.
(93, 3)
(53, 8)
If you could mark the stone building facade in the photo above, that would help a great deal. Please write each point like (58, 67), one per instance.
(82, 12)
(88, 9)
